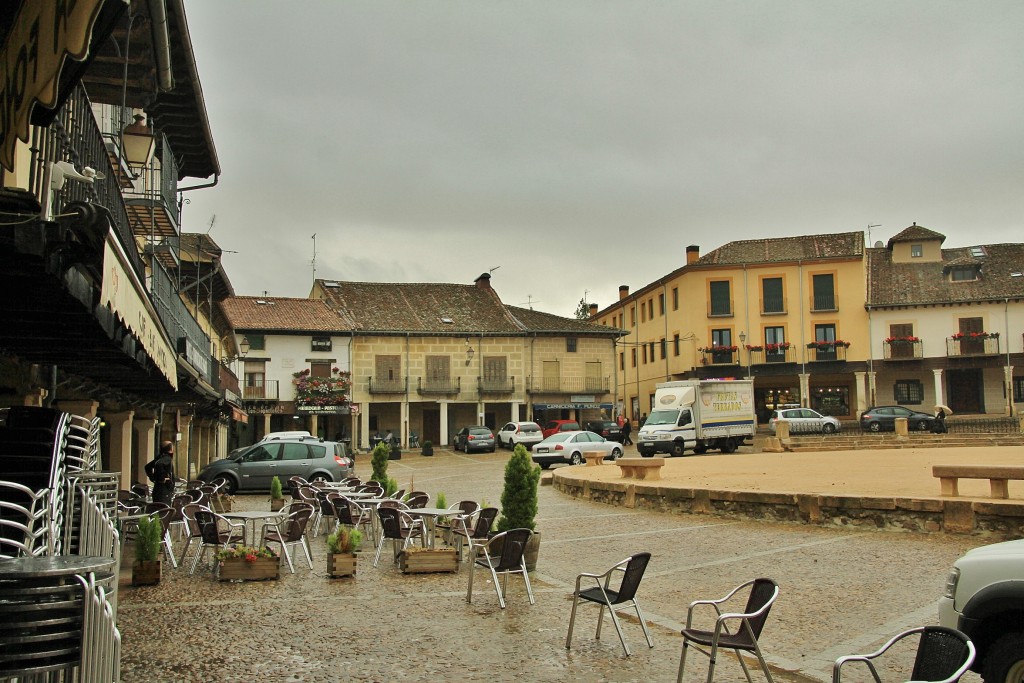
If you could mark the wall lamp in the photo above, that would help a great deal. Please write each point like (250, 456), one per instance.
(138, 142)
(469, 352)
(244, 347)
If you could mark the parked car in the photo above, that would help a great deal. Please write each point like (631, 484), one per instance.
(277, 436)
(883, 419)
(554, 426)
(253, 468)
(475, 438)
(570, 446)
(609, 429)
(526, 433)
(804, 420)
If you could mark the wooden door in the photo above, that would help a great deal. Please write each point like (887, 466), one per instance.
(971, 346)
(897, 348)
(965, 391)
(431, 428)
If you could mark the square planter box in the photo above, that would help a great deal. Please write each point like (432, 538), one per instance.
(341, 564)
(220, 504)
(146, 573)
(276, 504)
(425, 561)
(239, 569)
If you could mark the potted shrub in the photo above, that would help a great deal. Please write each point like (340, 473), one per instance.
(276, 494)
(519, 500)
(342, 547)
(146, 569)
(248, 563)
(427, 448)
(379, 463)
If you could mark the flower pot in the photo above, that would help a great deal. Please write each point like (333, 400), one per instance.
(419, 561)
(240, 569)
(146, 572)
(341, 564)
(395, 454)
(276, 504)
(427, 450)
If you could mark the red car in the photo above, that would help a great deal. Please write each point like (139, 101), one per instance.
(555, 426)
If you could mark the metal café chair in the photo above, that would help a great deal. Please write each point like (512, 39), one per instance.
(605, 596)
(943, 656)
(510, 561)
(291, 531)
(396, 526)
(216, 531)
(474, 533)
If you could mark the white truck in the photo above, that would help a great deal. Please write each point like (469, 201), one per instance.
(699, 415)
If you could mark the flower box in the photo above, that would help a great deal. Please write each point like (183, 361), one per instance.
(276, 504)
(241, 569)
(220, 503)
(423, 561)
(146, 572)
(341, 564)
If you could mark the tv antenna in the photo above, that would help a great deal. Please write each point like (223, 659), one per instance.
(530, 301)
(313, 262)
(493, 269)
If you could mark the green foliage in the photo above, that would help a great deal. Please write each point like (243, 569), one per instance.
(428, 444)
(582, 310)
(390, 486)
(344, 541)
(147, 540)
(379, 462)
(441, 501)
(276, 492)
(519, 497)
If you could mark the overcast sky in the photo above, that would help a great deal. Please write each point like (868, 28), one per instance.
(579, 146)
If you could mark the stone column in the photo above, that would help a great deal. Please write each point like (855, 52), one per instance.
(144, 431)
(862, 389)
(314, 425)
(182, 449)
(937, 379)
(364, 427)
(119, 459)
(515, 411)
(86, 409)
(443, 427)
(1009, 390)
(872, 388)
(404, 420)
(805, 390)
(266, 423)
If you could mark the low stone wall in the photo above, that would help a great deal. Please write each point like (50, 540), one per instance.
(929, 515)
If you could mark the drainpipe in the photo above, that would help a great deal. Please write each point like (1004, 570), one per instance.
(664, 348)
(1009, 368)
(162, 44)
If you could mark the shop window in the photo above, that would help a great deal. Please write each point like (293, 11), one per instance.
(834, 400)
(908, 392)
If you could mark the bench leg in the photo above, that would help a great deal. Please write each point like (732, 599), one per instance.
(1000, 488)
(640, 472)
(627, 471)
(654, 474)
(949, 486)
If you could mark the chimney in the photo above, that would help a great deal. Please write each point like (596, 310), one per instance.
(484, 281)
(593, 310)
(623, 292)
(692, 254)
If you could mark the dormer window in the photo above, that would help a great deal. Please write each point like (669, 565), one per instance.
(916, 251)
(963, 273)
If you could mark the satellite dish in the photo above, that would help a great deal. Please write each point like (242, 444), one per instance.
(879, 245)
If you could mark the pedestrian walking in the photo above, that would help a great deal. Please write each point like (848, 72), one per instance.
(939, 425)
(627, 427)
(160, 471)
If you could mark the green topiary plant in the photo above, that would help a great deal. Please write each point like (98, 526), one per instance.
(390, 486)
(344, 541)
(148, 539)
(276, 491)
(519, 497)
(379, 462)
(441, 501)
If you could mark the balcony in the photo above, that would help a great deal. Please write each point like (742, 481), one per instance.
(895, 349)
(569, 385)
(190, 341)
(823, 302)
(387, 385)
(720, 309)
(720, 355)
(435, 386)
(772, 353)
(493, 385)
(773, 305)
(260, 390)
(151, 202)
(825, 352)
(967, 345)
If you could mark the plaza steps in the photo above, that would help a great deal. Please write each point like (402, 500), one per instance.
(853, 442)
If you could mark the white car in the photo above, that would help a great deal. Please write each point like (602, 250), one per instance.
(570, 446)
(526, 433)
(804, 420)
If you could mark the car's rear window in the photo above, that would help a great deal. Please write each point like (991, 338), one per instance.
(569, 427)
(318, 451)
(554, 438)
(480, 432)
(529, 428)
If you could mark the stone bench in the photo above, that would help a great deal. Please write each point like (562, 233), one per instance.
(594, 458)
(640, 468)
(998, 476)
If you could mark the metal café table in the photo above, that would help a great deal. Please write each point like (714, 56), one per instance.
(430, 516)
(249, 518)
(44, 604)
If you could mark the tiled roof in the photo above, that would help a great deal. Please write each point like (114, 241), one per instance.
(780, 249)
(916, 233)
(420, 307)
(537, 321)
(907, 284)
(283, 314)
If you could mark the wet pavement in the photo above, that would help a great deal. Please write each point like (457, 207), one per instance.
(842, 592)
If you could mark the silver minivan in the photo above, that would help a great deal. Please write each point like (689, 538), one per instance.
(251, 469)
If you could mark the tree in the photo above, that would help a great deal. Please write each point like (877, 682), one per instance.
(519, 497)
(379, 462)
(583, 309)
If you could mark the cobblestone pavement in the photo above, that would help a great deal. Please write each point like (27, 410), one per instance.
(842, 592)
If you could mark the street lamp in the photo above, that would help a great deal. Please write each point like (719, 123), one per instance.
(244, 347)
(743, 342)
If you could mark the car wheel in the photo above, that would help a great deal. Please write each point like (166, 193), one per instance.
(875, 427)
(320, 476)
(616, 453)
(828, 428)
(227, 483)
(729, 446)
(678, 448)
(576, 459)
(700, 449)
(923, 426)
(545, 465)
(1004, 661)
(493, 449)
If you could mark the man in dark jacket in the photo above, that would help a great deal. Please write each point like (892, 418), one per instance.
(627, 428)
(160, 471)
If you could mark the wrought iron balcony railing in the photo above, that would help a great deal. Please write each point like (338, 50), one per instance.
(720, 357)
(387, 385)
(765, 356)
(190, 340)
(260, 390)
(720, 309)
(448, 386)
(506, 385)
(569, 385)
(824, 302)
(772, 305)
(826, 352)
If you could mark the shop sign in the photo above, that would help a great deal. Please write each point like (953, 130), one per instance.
(42, 37)
(323, 410)
(582, 399)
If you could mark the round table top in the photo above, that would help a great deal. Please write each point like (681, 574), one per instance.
(53, 565)
(251, 514)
